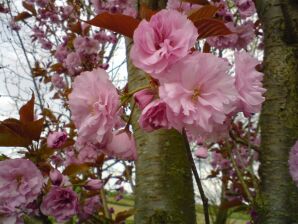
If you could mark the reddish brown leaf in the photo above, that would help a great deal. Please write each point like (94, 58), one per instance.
(118, 23)
(27, 111)
(206, 48)
(33, 129)
(231, 204)
(29, 7)
(48, 113)
(74, 169)
(76, 28)
(199, 2)
(206, 11)
(56, 67)
(22, 16)
(69, 142)
(45, 152)
(146, 12)
(13, 134)
(211, 27)
(122, 216)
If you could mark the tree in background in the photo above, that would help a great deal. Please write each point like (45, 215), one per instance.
(182, 92)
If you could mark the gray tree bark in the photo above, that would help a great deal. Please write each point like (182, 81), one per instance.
(164, 187)
(278, 203)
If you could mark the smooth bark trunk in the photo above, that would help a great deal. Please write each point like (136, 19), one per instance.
(278, 203)
(164, 187)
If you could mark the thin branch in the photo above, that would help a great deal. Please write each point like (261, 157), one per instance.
(239, 174)
(197, 177)
(27, 60)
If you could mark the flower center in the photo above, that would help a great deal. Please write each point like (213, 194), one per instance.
(195, 95)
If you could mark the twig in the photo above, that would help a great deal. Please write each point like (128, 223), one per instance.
(238, 172)
(27, 60)
(197, 178)
(243, 142)
(107, 213)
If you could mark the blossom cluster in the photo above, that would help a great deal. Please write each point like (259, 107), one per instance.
(24, 189)
(240, 23)
(191, 90)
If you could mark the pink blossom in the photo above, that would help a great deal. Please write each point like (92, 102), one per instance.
(223, 10)
(155, 115)
(201, 152)
(71, 157)
(226, 41)
(85, 45)
(88, 154)
(89, 206)
(42, 3)
(205, 94)
(248, 83)
(94, 103)
(58, 179)
(3, 9)
(104, 66)
(246, 8)
(61, 203)
(242, 35)
(122, 146)
(61, 53)
(245, 34)
(97, 6)
(143, 98)
(293, 163)
(14, 26)
(93, 184)
(45, 44)
(161, 42)
(56, 139)
(130, 11)
(218, 161)
(58, 81)
(67, 12)
(182, 6)
(20, 184)
(72, 62)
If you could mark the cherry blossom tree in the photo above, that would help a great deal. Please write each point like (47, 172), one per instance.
(194, 92)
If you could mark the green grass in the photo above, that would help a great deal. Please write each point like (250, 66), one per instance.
(127, 203)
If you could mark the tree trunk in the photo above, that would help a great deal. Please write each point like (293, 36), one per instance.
(279, 118)
(164, 188)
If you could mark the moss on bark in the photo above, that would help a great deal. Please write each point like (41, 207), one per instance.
(279, 117)
(164, 187)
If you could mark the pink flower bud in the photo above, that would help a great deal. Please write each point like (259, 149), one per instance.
(57, 81)
(93, 184)
(201, 152)
(56, 139)
(56, 177)
(143, 98)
